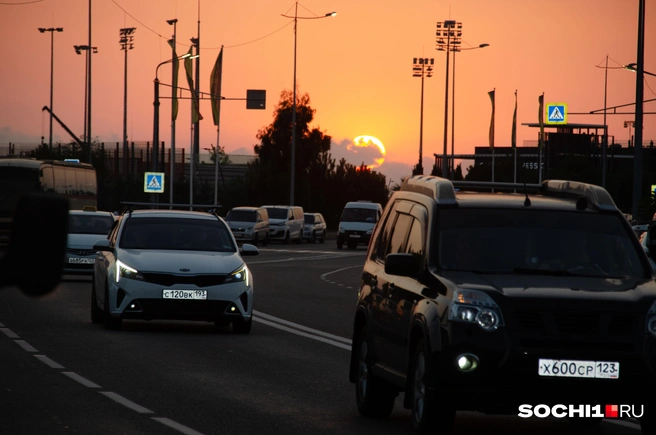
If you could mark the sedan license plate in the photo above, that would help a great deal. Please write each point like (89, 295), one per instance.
(81, 260)
(354, 236)
(579, 369)
(185, 294)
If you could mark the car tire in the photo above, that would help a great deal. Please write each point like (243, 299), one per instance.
(110, 322)
(242, 326)
(255, 239)
(339, 245)
(96, 312)
(266, 240)
(323, 237)
(313, 239)
(285, 241)
(428, 417)
(374, 397)
(300, 238)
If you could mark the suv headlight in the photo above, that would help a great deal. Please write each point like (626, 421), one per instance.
(341, 230)
(473, 306)
(125, 271)
(650, 323)
(239, 275)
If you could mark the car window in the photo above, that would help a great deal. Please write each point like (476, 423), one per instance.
(359, 215)
(277, 213)
(415, 243)
(506, 240)
(399, 234)
(308, 219)
(241, 216)
(89, 224)
(176, 234)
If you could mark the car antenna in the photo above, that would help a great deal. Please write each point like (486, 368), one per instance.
(527, 202)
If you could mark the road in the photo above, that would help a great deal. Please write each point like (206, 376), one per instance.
(61, 374)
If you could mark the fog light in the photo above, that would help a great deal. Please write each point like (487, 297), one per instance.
(467, 362)
(133, 306)
(233, 309)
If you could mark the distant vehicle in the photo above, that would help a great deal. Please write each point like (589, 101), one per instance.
(314, 228)
(172, 264)
(249, 224)
(357, 223)
(640, 229)
(285, 223)
(85, 228)
(75, 181)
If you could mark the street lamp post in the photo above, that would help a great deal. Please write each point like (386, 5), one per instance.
(174, 72)
(293, 150)
(52, 31)
(455, 49)
(88, 50)
(629, 124)
(126, 37)
(421, 67)
(452, 30)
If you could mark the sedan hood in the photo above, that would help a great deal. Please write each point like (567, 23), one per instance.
(83, 241)
(175, 262)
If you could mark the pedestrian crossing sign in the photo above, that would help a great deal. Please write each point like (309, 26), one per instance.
(154, 182)
(556, 113)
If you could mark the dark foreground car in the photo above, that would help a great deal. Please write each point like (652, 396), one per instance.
(505, 303)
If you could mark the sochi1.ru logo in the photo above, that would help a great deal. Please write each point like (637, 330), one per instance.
(581, 411)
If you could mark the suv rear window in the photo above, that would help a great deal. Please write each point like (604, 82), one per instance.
(544, 241)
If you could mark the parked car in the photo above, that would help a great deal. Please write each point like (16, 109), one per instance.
(172, 264)
(85, 228)
(357, 223)
(314, 228)
(285, 223)
(499, 302)
(249, 224)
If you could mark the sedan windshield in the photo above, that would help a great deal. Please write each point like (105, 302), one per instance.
(89, 224)
(241, 216)
(537, 241)
(358, 215)
(176, 234)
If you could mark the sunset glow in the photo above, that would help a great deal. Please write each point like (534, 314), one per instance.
(369, 142)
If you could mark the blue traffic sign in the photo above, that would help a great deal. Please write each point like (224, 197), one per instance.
(154, 182)
(556, 113)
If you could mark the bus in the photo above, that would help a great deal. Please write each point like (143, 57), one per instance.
(20, 176)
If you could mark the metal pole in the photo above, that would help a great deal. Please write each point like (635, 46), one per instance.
(446, 106)
(125, 113)
(197, 101)
(52, 65)
(173, 91)
(86, 102)
(604, 143)
(90, 141)
(292, 169)
(453, 113)
(637, 127)
(420, 166)
(154, 161)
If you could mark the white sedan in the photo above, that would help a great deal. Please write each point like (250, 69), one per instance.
(171, 264)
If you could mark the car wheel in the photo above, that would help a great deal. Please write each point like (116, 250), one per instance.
(266, 240)
(242, 326)
(313, 239)
(96, 313)
(255, 239)
(373, 395)
(108, 321)
(427, 415)
(339, 245)
(300, 237)
(323, 237)
(286, 239)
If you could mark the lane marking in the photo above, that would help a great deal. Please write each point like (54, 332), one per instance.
(338, 270)
(283, 260)
(125, 402)
(301, 327)
(9, 333)
(26, 346)
(79, 379)
(47, 361)
(177, 426)
(303, 334)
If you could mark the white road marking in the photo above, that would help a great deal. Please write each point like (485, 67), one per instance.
(177, 426)
(47, 361)
(9, 333)
(303, 334)
(338, 270)
(301, 327)
(125, 402)
(25, 345)
(79, 379)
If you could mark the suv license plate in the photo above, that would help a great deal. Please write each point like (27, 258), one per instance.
(354, 236)
(579, 369)
(74, 260)
(184, 294)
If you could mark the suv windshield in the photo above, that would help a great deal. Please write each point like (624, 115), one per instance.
(176, 234)
(309, 219)
(277, 213)
(241, 216)
(536, 241)
(358, 215)
(89, 224)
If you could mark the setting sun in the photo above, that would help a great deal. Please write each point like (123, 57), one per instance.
(369, 142)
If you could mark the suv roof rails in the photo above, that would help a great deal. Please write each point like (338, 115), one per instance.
(440, 189)
(497, 185)
(595, 195)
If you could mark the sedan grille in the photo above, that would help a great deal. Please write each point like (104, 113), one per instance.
(81, 252)
(167, 279)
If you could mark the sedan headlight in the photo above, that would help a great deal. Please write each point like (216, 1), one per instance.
(473, 306)
(650, 323)
(239, 275)
(125, 271)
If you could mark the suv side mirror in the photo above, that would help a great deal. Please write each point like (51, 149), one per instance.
(401, 265)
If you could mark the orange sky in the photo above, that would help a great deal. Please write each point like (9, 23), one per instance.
(356, 67)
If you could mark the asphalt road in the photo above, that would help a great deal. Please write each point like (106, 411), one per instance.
(61, 374)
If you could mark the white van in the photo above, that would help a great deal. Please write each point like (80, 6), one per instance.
(285, 222)
(357, 223)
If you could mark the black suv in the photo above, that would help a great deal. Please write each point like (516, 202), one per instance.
(491, 301)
